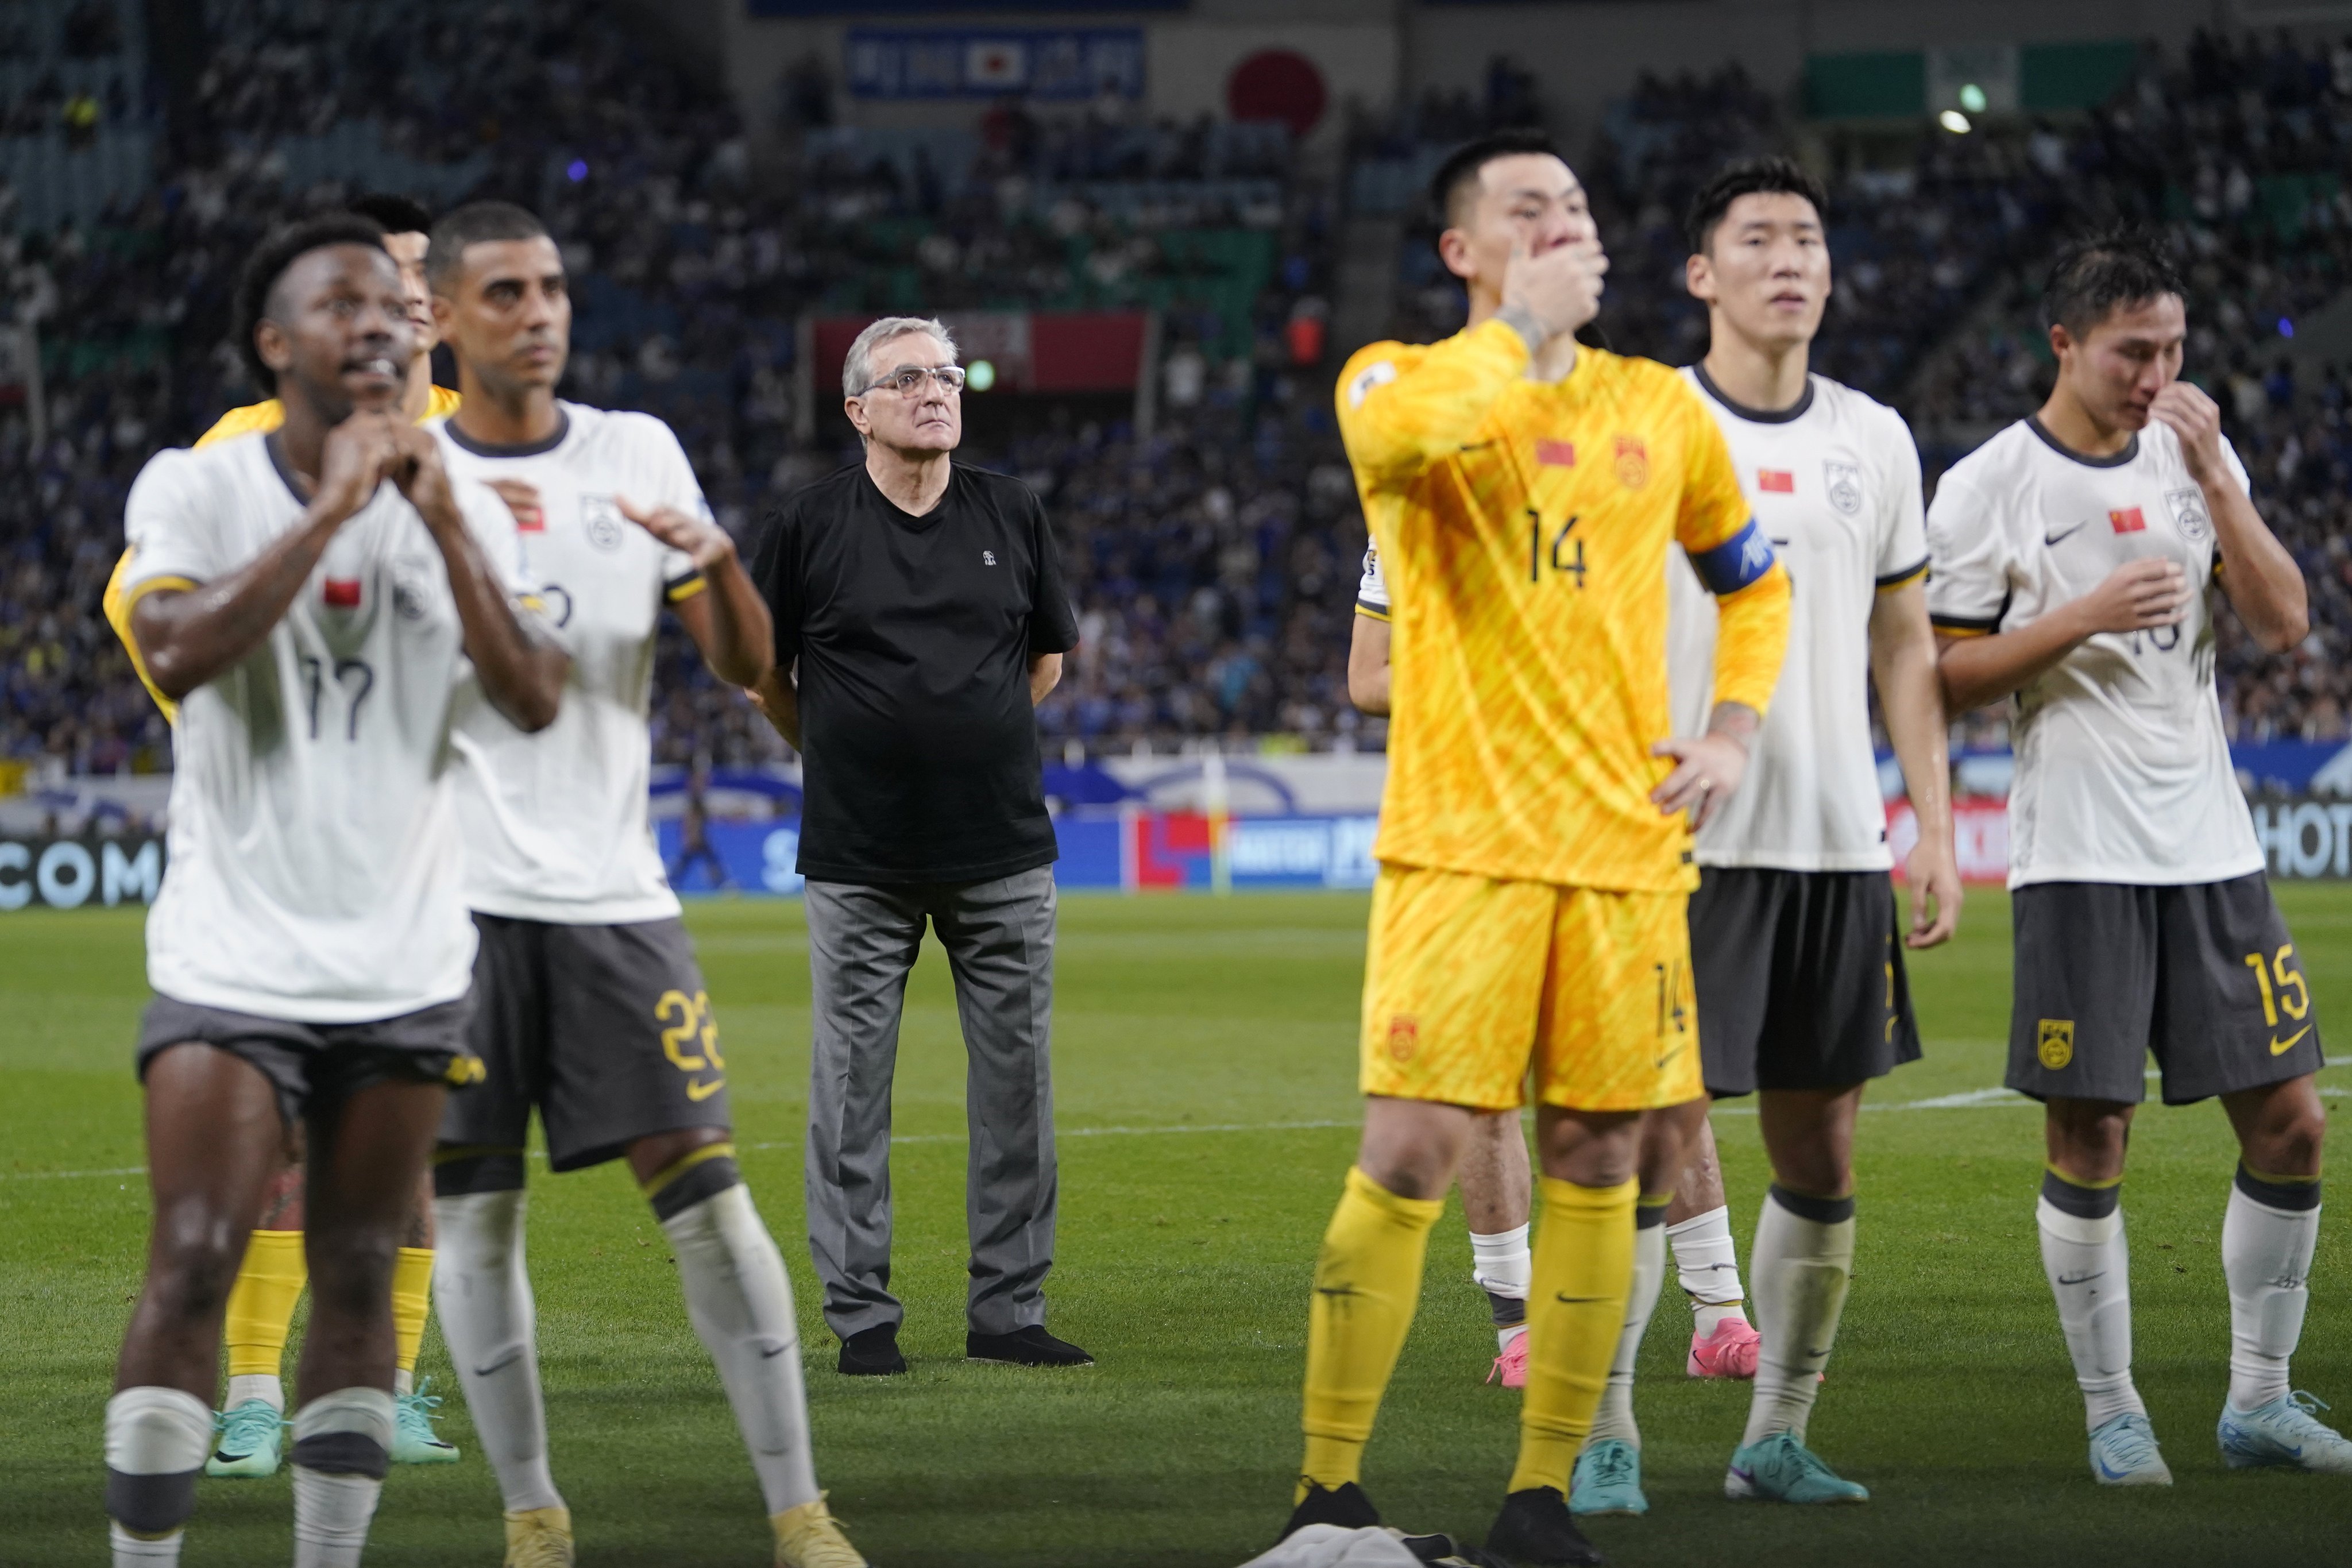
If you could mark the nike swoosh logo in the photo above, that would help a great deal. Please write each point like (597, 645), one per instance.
(698, 1091)
(767, 1354)
(2280, 1047)
(1578, 1300)
(2069, 533)
(512, 1354)
(2082, 1278)
(1475, 445)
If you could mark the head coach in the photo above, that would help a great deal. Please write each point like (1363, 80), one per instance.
(919, 618)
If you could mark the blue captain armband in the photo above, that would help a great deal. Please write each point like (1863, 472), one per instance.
(1737, 561)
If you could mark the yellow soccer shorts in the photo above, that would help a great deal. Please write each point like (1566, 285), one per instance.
(1474, 986)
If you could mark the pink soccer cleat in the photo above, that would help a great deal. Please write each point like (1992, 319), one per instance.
(1729, 1352)
(1511, 1366)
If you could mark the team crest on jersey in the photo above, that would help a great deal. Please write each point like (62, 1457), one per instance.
(1632, 462)
(409, 593)
(1844, 485)
(1404, 1037)
(2056, 1046)
(601, 519)
(2189, 514)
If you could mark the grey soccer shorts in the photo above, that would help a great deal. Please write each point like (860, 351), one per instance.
(2205, 975)
(315, 1066)
(1799, 979)
(605, 1029)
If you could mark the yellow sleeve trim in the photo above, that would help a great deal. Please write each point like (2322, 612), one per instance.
(685, 588)
(1370, 614)
(246, 421)
(441, 402)
(1903, 579)
(1943, 630)
(118, 602)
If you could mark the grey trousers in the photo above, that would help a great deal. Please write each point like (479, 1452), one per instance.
(998, 938)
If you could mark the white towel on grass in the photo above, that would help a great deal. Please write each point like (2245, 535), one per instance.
(1329, 1546)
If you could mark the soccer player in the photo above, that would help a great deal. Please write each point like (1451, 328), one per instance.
(1794, 929)
(2071, 556)
(269, 1282)
(311, 598)
(590, 1004)
(1529, 911)
(1496, 1180)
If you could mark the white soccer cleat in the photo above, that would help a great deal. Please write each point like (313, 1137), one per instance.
(2283, 1433)
(2124, 1454)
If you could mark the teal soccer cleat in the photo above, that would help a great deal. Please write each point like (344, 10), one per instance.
(251, 1436)
(414, 1441)
(1608, 1480)
(1781, 1469)
(2124, 1454)
(2284, 1433)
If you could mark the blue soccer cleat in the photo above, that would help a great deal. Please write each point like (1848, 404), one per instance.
(1608, 1480)
(2286, 1434)
(251, 1439)
(2124, 1454)
(414, 1441)
(1779, 1469)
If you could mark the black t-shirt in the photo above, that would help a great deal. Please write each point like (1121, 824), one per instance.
(914, 635)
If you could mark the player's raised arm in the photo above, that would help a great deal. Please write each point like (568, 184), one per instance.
(188, 634)
(521, 673)
(1752, 598)
(2264, 585)
(720, 609)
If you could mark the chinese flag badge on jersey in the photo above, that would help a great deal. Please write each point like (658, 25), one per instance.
(2127, 521)
(342, 593)
(1555, 454)
(1776, 481)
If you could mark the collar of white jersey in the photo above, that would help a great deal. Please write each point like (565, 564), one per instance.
(514, 448)
(1788, 416)
(2112, 460)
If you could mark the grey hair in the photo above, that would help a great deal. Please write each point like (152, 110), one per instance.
(858, 364)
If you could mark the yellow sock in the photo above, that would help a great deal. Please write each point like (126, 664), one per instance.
(412, 1298)
(261, 1304)
(1366, 1283)
(1576, 1310)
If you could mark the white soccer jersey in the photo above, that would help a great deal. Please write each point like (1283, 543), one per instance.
(555, 823)
(315, 860)
(1834, 482)
(2123, 773)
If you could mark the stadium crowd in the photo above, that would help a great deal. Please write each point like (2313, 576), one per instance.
(1214, 559)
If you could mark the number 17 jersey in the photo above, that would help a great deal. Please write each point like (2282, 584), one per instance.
(2123, 770)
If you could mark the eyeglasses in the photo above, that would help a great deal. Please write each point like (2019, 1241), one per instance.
(908, 382)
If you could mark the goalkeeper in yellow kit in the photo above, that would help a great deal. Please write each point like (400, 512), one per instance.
(1535, 855)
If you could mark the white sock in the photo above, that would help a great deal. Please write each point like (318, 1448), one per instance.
(1802, 1264)
(1503, 1265)
(2266, 1258)
(2089, 1269)
(1707, 1262)
(1614, 1418)
(404, 1383)
(157, 1440)
(483, 1298)
(741, 1301)
(343, 1445)
(143, 1552)
(261, 1385)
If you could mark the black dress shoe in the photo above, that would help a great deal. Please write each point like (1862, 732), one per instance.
(872, 1352)
(1032, 1346)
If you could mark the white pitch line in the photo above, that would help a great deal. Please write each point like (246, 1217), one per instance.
(1969, 1099)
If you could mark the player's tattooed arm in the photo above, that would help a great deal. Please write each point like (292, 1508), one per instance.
(1903, 663)
(2264, 584)
(521, 672)
(188, 637)
(730, 622)
(1708, 767)
(778, 696)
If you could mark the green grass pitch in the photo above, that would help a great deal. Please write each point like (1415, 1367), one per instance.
(1204, 1067)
